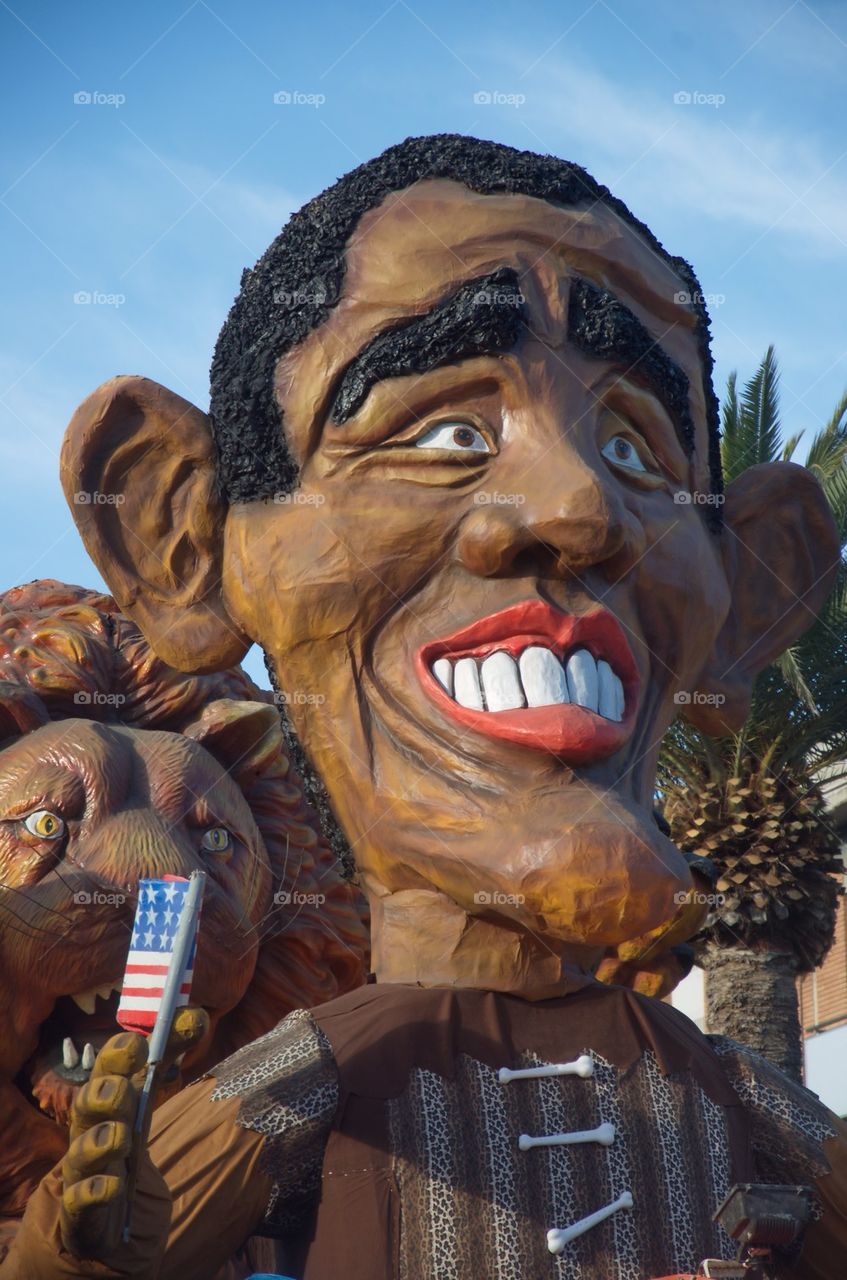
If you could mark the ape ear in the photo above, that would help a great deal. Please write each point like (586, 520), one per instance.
(245, 737)
(781, 554)
(138, 471)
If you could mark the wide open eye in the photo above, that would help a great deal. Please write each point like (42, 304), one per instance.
(216, 840)
(44, 824)
(459, 436)
(623, 453)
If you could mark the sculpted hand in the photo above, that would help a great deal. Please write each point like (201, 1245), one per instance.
(95, 1170)
(74, 1221)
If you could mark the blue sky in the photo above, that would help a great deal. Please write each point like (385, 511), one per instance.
(720, 124)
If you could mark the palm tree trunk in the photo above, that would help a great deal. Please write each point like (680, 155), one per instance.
(751, 996)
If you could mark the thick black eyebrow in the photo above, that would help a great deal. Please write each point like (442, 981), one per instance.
(603, 326)
(484, 317)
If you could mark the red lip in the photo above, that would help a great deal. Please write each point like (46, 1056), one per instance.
(574, 733)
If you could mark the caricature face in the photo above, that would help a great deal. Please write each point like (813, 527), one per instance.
(484, 596)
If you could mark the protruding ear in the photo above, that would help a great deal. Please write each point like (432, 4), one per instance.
(245, 737)
(138, 470)
(781, 554)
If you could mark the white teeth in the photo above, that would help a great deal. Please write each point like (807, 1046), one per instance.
(88, 1056)
(620, 698)
(582, 679)
(70, 1057)
(501, 683)
(608, 697)
(442, 669)
(467, 691)
(538, 679)
(543, 677)
(85, 1000)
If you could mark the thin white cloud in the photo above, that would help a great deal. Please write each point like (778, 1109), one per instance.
(688, 156)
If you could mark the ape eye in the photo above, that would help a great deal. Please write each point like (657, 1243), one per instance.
(44, 824)
(623, 452)
(216, 840)
(458, 436)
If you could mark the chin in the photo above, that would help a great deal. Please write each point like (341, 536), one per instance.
(564, 866)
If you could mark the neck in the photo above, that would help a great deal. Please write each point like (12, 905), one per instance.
(423, 938)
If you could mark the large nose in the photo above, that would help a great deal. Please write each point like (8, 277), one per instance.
(135, 844)
(560, 516)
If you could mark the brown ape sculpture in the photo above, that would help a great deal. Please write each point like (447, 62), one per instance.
(113, 766)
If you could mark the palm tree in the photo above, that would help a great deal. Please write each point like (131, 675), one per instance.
(752, 802)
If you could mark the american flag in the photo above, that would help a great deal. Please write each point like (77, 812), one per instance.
(160, 905)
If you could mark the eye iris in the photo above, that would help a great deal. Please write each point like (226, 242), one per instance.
(45, 825)
(623, 449)
(463, 436)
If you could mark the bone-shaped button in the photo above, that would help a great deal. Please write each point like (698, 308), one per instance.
(582, 1066)
(604, 1134)
(558, 1238)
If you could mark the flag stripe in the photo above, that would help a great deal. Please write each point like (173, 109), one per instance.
(157, 916)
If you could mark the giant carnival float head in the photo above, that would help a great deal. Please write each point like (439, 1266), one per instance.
(460, 479)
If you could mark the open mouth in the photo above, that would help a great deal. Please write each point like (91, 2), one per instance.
(68, 1044)
(538, 677)
(69, 1041)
